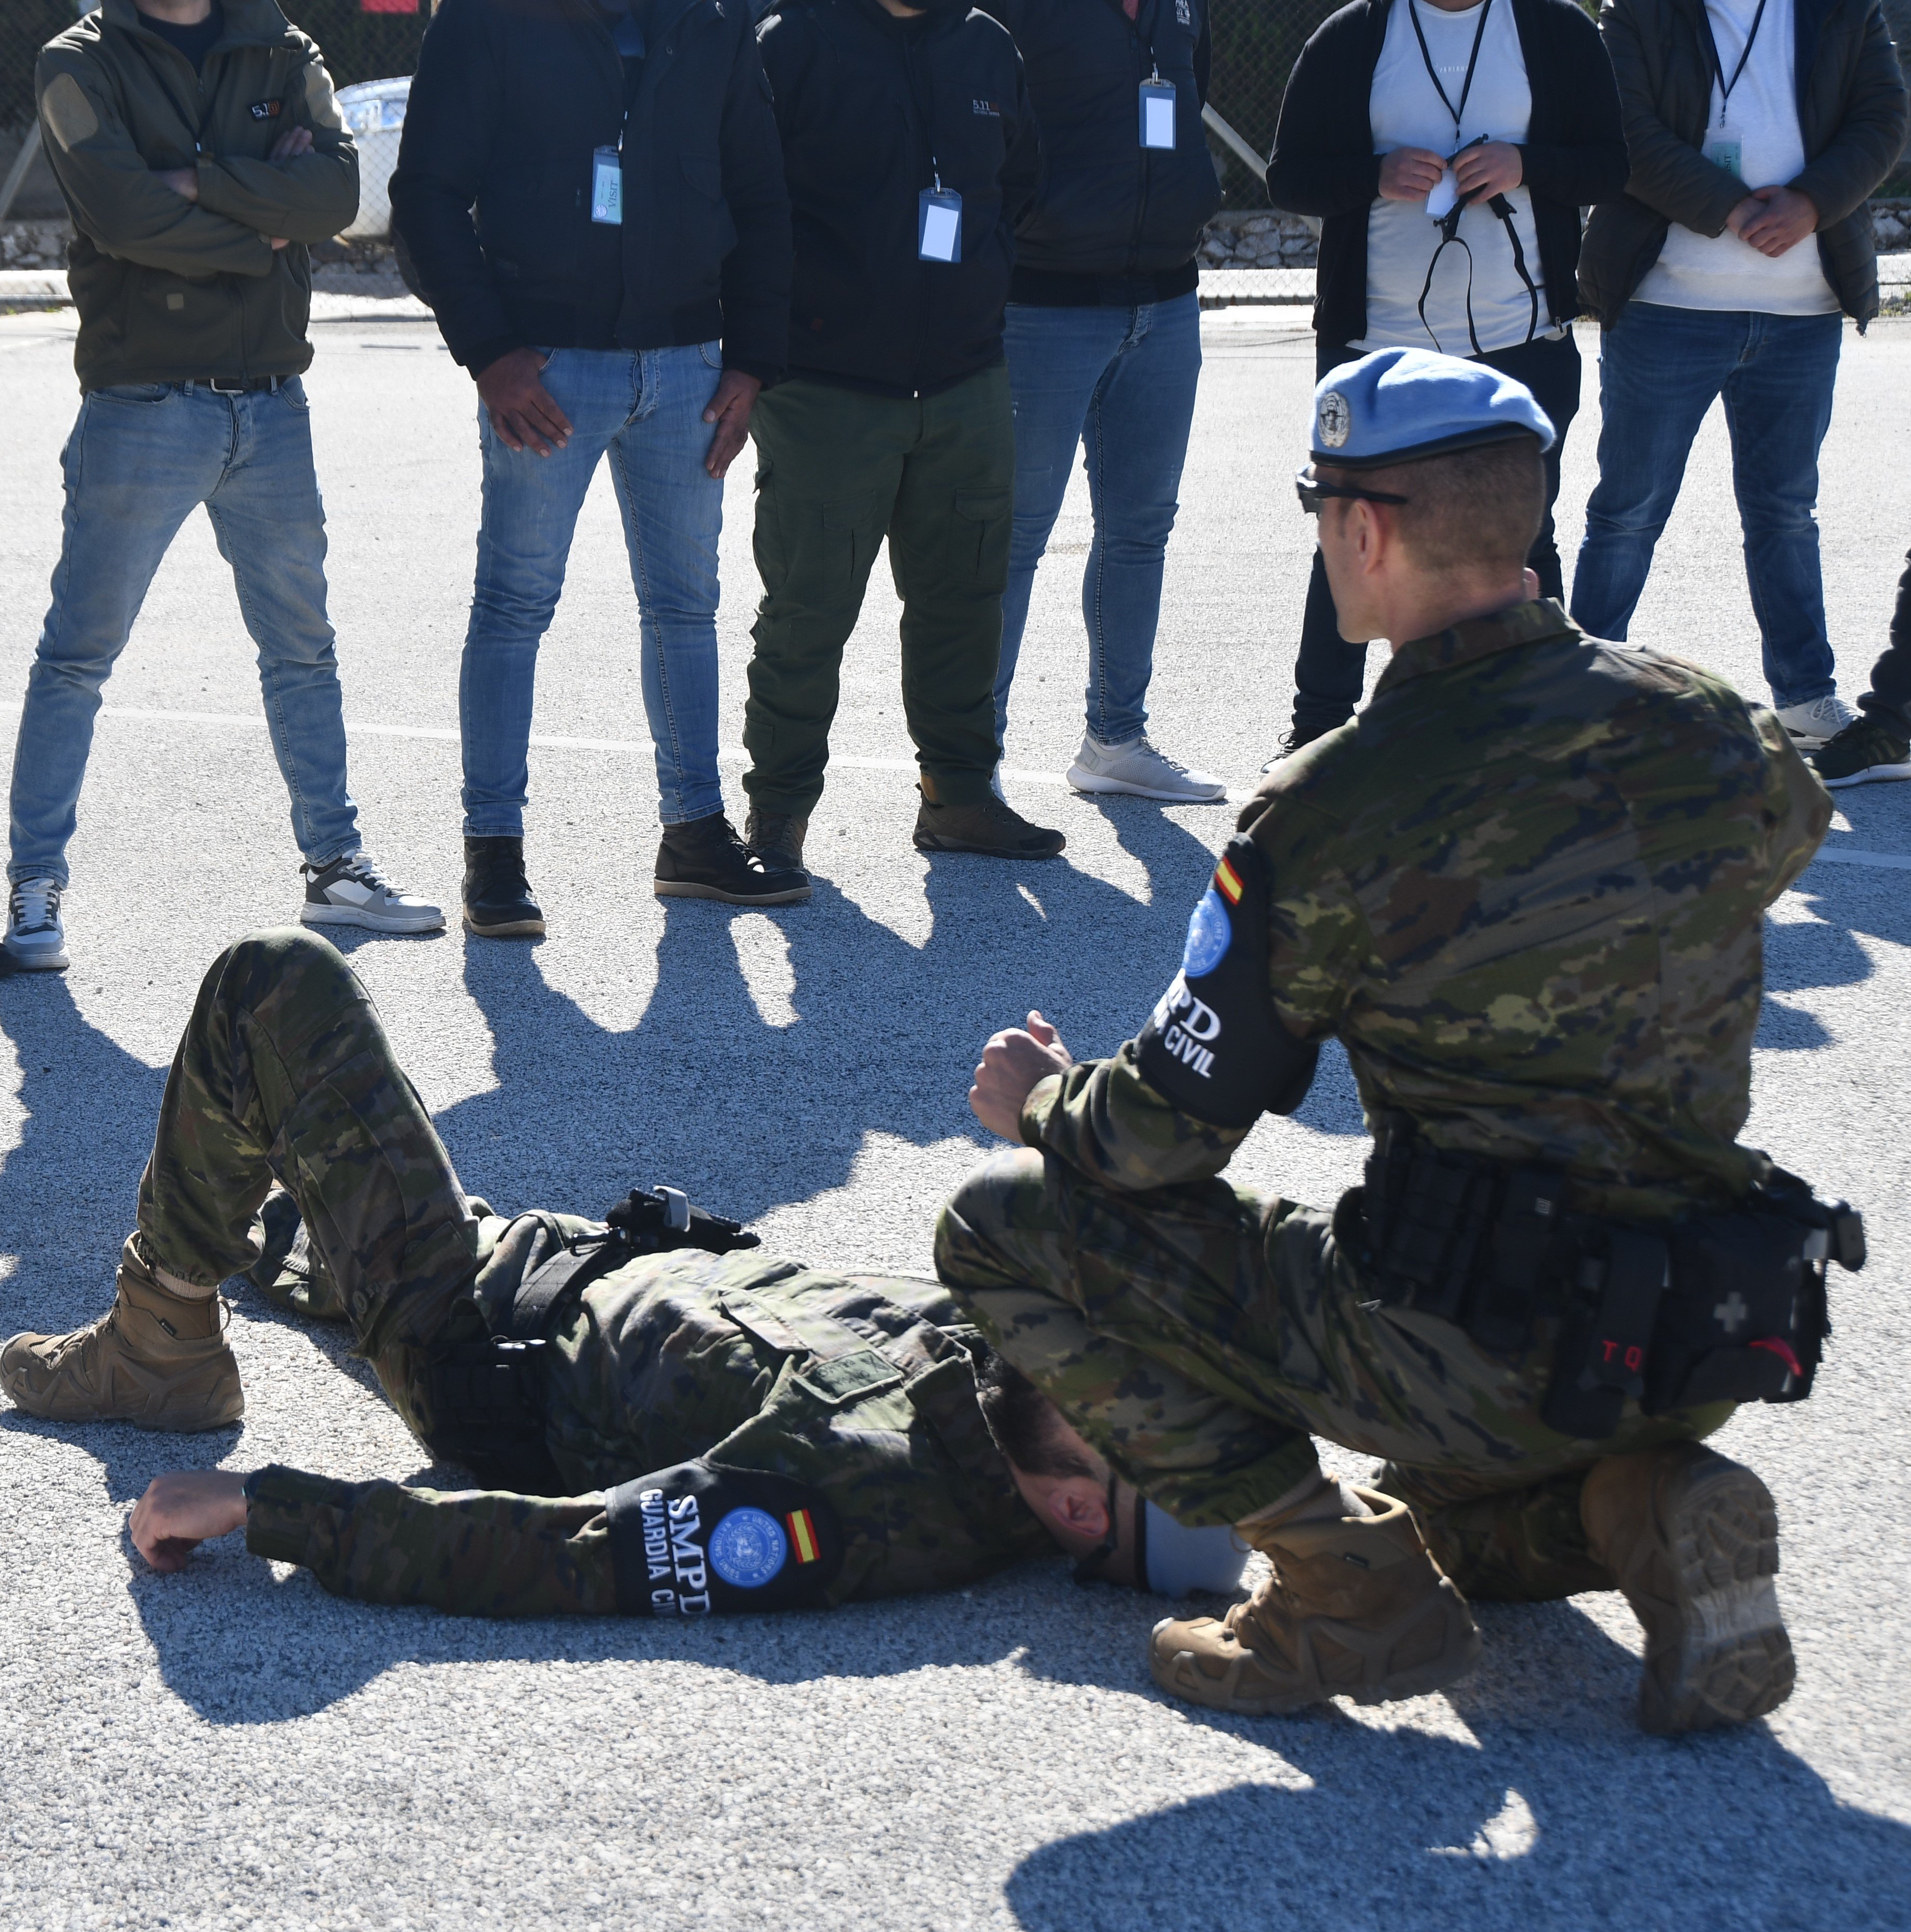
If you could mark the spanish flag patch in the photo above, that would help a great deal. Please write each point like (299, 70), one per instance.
(802, 1536)
(1228, 880)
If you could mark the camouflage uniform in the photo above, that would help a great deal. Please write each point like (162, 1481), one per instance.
(861, 1389)
(1525, 888)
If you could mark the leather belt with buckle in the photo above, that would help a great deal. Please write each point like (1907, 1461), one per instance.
(241, 386)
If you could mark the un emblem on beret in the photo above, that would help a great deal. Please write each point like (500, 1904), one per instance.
(1336, 419)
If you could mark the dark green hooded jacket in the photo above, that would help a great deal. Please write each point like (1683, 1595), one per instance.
(171, 290)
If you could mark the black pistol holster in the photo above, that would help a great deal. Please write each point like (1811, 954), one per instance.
(1711, 1307)
(484, 1401)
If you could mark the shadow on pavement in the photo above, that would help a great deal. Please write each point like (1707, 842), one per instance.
(1415, 1833)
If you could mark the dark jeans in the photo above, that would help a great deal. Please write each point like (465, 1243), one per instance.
(837, 471)
(1330, 672)
(1660, 371)
(1889, 697)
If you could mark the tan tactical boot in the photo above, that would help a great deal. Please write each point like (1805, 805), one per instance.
(1693, 1540)
(1356, 1608)
(155, 1359)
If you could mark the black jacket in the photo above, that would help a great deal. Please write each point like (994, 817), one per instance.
(1323, 163)
(510, 99)
(864, 101)
(1851, 115)
(1113, 221)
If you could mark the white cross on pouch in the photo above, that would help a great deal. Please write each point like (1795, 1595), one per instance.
(1731, 1313)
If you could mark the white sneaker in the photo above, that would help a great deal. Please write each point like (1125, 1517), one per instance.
(352, 891)
(1138, 768)
(1809, 725)
(36, 938)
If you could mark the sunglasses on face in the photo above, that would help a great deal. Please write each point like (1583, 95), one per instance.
(1313, 493)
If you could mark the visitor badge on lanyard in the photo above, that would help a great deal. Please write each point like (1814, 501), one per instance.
(606, 186)
(939, 224)
(1157, 113)
(1724, 149)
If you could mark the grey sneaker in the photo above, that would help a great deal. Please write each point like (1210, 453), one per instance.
(352, 891)
(36, 937)
(1811, 725)
(1138, 768)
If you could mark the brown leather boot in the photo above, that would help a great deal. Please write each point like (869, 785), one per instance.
(1693, 1538)
(155, 1359)
(1356, 1608)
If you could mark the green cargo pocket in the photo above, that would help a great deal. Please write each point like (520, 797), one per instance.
(979, 533)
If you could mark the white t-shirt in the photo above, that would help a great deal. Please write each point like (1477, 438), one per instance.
(1407, 112)
(1696, 271)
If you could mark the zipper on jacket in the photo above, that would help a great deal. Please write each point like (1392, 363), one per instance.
(1140, 153)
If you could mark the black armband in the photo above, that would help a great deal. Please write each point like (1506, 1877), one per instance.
(1214, 1046)
(695, 1539)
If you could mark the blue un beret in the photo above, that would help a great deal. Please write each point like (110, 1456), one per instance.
(1399, 405)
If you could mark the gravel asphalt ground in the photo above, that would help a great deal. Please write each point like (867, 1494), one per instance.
(230, 1747)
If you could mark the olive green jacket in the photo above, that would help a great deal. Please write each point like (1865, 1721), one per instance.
(171, 290)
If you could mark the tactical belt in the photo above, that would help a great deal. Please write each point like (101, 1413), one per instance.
(483, 1403)
(1721, 1307)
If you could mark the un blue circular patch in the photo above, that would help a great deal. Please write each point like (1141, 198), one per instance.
(1211, 932)
(747, 1548)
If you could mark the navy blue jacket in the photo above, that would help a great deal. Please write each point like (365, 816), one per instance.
(871, 108)
(511, 100)
(1113, 221)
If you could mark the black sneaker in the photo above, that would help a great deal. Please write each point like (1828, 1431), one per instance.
(991, 828)
(1867, 752)
(777, 838)
(703, 859)
(1290, 741)
(498, 903)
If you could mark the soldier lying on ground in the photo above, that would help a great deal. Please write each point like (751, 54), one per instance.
(1525, 888)
(662, 1428)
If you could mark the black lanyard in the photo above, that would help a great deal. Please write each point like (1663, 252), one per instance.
(1725, 86)
(1473, 61)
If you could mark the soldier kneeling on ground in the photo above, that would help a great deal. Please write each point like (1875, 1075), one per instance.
(666, 1423)
(1524, 888)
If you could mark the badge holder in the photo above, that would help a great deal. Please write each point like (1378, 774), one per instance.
(1157, 112)
(1725, 150)
(606, 186)
(939, 224)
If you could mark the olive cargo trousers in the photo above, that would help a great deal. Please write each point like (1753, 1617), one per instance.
(838, 469)
(1200, 1335)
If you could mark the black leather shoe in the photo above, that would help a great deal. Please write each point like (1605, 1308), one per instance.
(703, 859)
(995, 830)
(777, 838)
(498, 903)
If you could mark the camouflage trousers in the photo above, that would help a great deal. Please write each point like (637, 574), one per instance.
(1200, 1335)
(285, 1072)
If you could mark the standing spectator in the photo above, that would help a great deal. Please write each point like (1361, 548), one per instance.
(1103, 337)
(910, 149)
(1876, 743)
(189, 269)
(1706, 285)
(594, 205)
(1448, 149)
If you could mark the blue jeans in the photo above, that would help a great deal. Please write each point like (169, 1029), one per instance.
(1120, 382)
(1660, 369)
(139, 461)
(646, 407)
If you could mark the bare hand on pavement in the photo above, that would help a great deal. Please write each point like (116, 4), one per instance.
(180, 1509)
(522, 410)
(1013, 1063)
(729, 409)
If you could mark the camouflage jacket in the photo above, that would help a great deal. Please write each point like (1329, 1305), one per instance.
(842, 1407)
(1525, 888)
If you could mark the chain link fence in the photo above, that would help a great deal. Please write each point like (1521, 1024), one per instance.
(1255, 44)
